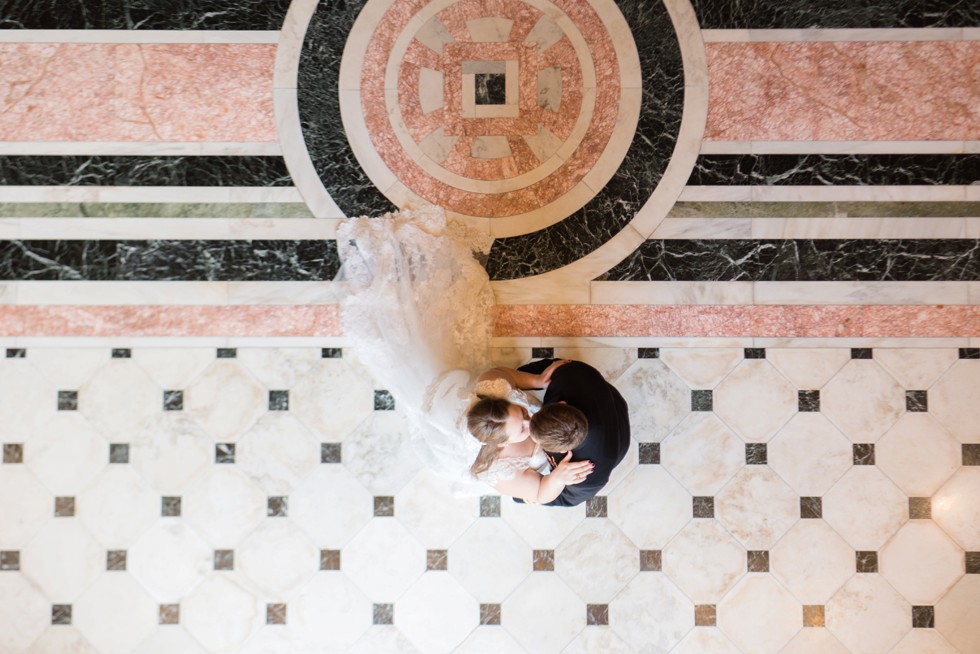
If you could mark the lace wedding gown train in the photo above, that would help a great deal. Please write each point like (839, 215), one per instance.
(419, 312)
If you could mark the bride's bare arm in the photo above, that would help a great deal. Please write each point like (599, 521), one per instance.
(541, 489)
(519, 378)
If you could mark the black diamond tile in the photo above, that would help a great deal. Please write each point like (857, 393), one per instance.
(542, 353)
(16, 353)
(648, 353)
(701, 400)
(170, 506)
(224, 453)
(490, 614)
(811, 507)
(756, 454)
(331, 353)
(64, 507)
(920, 508)
(808, 401)
(755, 353)
(861, 353)
(384, 614)
(330, 559)
(973, 563)
(651, 560)
(227, 353)
(383, 401)
(277, 506)
(67, 400)
(61, 614)
(278, 400)
(544, 560)
(329, 452)
(704, 507)
(490, 506)
(917, 401)
(13, 452)
(384, 506)
(121, 353)
(119, 453)
(758, 560)
(649, 453)
(169, 613)
(864, 454)
(10, 560)
(971, 454)
(437, 559)
(173, 400)
(597, 614)
(224, 559)
(970, 352)
(923, 617)
(705, 615)
(275, 614)
(596, 507)
(115, 560)
(866, 562)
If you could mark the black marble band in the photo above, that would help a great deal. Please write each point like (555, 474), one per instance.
(169, 260)
(827, 14)
(143, 14)
(76, 170)
(801, 260)
(835, 170)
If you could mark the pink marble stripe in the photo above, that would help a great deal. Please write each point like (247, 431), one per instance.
(136, 92)
(512, 320)
(844, 91)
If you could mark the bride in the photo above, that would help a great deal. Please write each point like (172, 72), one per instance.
(419, 312)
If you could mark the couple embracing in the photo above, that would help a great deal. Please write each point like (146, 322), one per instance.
(419, 311)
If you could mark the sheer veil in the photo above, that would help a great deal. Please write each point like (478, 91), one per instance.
(419, 310)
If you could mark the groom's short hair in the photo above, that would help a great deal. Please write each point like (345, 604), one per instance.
(559, 427)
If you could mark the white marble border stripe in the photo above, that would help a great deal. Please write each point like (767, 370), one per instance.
(139, 36)
(168, 228)
(951, 193)
(840, 147)
(859, 34)
(150, 194)
(817, 227)
(156, 148)
(786, 293)
(176, 293)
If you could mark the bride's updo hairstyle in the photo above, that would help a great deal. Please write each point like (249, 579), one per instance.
(486, 421)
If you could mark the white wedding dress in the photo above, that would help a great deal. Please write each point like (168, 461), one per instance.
(419, 312)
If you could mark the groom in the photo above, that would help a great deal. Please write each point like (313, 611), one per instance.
(577, 385)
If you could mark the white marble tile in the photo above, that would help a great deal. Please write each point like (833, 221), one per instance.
(812, 640)
(921, 562)
(27, 506)
(704, 561)
(755, 400)
(490, 560)
(865, 508)
(333, 400)
(489, 640)
(543, 597)
(141, 36)
(808, 368)
(27, 399)
(918, 454)
(277, 557)
(837, 34)
(169, 638)
(947, 193)
(650, 507)
(706, 639)
(173, 368)
(66, 454)
(223, 506)
(129, 148)
(759, 615)
(134, 614)
(541, 527)
(436, 593)
(864, 228)
(867, 615)
(702, 367)
(98, 399)
(152, 194)
(596, 639)
(169, 560)
(955, 510)
(118, 506)
(862, 400)
(953, 401)
(284, 293)
(757, 507)
(380, 453)
(829, 147)
(116, 293)
(702, 454)
(671, 293)
(708, 228)
(383, 639)
(956, 614)
(277, 453)
(872, 293)
(810, 454)
(812, 561)
(63, 559)
(67, 368)
(24, 613)
(924, 641)
(330, 524)
(383, 559)
(597, 560)
(170, 451)
(240, 614)
(658, 399)
(279, 368)
(225, 400)
(59, 638)
(330, 610)
(651, 613)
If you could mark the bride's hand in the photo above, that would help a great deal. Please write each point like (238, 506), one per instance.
(545, 377)
(572, 473)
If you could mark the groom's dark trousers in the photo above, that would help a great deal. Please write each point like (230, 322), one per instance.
(583, 387)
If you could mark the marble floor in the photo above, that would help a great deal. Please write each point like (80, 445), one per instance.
(760, 221)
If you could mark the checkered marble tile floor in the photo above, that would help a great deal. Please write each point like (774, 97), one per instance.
(268, 500)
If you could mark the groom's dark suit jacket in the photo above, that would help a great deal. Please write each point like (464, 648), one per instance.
(583, 387)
